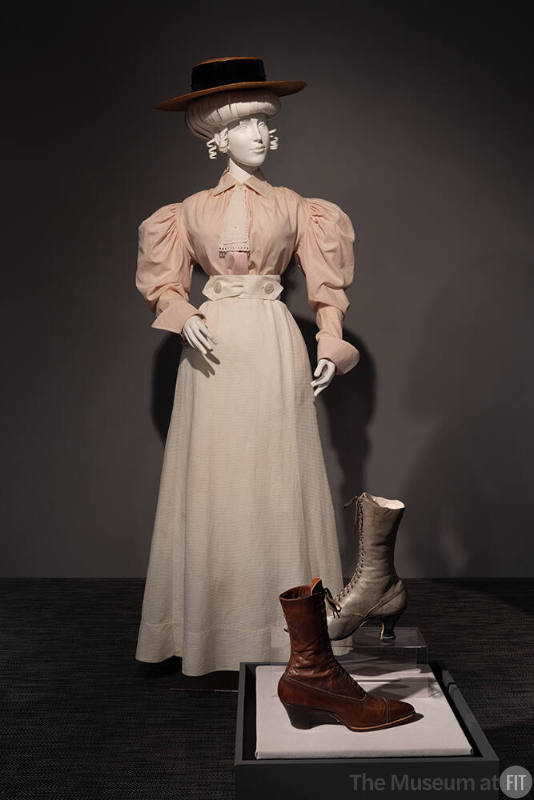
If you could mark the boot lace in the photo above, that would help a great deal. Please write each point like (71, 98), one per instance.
(361, 548)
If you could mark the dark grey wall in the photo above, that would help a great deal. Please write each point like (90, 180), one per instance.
(417, 121)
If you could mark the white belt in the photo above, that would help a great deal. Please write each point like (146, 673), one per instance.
(260, 287)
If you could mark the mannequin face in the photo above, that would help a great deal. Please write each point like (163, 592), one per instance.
(248, 140)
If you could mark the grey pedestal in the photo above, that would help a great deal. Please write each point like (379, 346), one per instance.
(388, 778)
(408, 646)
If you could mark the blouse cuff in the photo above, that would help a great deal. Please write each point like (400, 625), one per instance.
(174, 317)
(344, 355)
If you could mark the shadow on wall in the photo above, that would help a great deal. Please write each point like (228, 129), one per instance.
(164, 373)
(470, 373)
(349, 404)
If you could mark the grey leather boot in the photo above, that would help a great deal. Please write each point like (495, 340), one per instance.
(375, 592)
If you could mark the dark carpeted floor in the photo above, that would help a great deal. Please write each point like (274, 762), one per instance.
(82, 719)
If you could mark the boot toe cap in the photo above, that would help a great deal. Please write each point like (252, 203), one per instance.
(399, 710)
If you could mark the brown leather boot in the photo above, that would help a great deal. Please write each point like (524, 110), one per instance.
(315, 689)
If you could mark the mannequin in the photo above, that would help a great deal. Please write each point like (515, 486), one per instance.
(247, 146)
(244, 506)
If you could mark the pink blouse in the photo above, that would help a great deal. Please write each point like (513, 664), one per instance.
(281, 224)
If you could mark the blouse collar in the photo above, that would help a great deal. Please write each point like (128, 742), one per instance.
(257, 182)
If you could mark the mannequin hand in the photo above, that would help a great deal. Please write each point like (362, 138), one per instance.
(197, 335)
(324, 374)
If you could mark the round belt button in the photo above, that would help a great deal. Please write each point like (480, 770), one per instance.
(217, 287)
(268, 288)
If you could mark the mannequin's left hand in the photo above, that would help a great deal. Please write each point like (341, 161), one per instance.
(323, 374)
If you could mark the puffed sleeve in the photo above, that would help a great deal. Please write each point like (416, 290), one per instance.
(164, 267)
(325, 254)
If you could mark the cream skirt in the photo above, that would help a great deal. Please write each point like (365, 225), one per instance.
(244, 508)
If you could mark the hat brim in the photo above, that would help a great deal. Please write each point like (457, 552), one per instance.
(279, 88)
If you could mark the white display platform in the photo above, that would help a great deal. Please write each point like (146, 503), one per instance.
(435, 732)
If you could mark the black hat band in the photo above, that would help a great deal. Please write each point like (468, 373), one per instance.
(220, 73)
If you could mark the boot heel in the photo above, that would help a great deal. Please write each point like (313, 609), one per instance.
(387, 634)
(303, 717)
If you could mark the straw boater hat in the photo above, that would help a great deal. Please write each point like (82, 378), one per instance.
(224, 74)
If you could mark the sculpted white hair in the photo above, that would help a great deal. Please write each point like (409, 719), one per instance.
(214, 112)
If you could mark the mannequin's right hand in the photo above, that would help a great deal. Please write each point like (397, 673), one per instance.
(197, 335)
